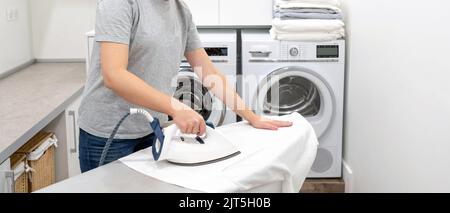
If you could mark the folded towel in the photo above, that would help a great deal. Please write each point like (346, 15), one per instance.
(290, 15)
(298, 5)
(335, 3)
(308, 10)
(305, 36)
(308, 25)
(340, 31)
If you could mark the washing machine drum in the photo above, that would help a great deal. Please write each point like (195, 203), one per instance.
(296, 89)
(191, 92)
(295, 94)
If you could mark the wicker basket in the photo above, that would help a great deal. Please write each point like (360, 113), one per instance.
(43, 167)
(18, 165)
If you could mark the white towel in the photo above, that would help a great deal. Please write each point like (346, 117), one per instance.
(267, 157)
(308, 25)
(335, 3)
(340, 31)
(305, 36)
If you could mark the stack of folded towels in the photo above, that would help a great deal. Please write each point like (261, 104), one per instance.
(307, 20)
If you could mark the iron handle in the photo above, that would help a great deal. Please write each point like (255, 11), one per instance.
(74, 149)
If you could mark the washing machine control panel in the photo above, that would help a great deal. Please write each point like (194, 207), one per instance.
(291, 51)
(306, 51)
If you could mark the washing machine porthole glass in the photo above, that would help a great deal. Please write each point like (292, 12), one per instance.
(293, 94)
(192, 93)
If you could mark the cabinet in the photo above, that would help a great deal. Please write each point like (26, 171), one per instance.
(204, 12)
(246, 12)
(65, 128)
(231, 12)
(6, 177)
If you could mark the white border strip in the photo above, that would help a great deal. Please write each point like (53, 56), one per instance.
(348, 177)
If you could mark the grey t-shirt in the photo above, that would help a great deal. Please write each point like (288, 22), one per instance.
(158, 33)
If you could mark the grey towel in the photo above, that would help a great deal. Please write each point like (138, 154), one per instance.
(286, 15)
(308, 10)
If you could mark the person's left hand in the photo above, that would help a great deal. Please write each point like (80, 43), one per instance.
(264, 123)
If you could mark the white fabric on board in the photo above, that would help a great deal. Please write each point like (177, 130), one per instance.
(266, 157)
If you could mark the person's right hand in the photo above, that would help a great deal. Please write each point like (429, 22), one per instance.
(188, 121)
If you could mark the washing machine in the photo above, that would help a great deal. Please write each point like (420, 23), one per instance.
(221, 46)
(283, 77)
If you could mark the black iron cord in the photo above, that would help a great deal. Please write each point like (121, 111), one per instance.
(110, 140)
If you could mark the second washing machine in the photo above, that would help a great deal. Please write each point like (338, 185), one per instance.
(221, 46)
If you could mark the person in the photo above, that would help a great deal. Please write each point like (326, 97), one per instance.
(138, 49)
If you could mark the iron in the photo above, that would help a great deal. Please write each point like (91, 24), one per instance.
(193, 150)
(186, 149)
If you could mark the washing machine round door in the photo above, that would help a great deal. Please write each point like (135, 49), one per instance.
(191, 92)
(297, 89)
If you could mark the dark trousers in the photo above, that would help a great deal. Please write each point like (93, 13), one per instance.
(91, 148)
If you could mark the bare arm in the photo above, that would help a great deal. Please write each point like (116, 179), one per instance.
(217, 83)
(114, 63)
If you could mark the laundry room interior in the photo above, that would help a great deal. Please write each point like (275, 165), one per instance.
(224, 96)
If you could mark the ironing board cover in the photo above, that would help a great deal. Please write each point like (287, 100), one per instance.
(267, 157)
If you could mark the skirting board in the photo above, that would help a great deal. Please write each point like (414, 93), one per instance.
(348, 177)
(17, 68)
(57, 60)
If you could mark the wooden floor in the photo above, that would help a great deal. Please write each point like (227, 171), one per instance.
(323, 186)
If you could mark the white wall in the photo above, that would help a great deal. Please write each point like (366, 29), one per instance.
(15, 39)
(231, 12)
(246, 12)
(398, 115)
(204, 12)
(59, 26)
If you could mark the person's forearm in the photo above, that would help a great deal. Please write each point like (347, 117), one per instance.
(222, 90)
(214, 80)
(136, 91)
(241, 108)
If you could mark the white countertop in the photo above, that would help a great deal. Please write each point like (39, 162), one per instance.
(32, 98)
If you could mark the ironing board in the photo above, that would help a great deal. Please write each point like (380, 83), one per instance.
(271, 161)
